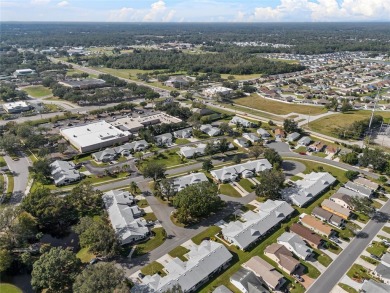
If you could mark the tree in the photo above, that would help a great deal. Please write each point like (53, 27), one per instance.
(10, 143)
(351, 174)
(167, 188)
(270, 184)
(256, 151)
(382, 179)
(41, 170)
(174, 94)
(209, 149)
(350, 158)
(100, 278)
(207, 165)
(154, 170)
(290, 125)
(362, 204)
(237, 159)
(175, 289)
(133, 187)
(273, 157)
(196, 201)
(223, 145)
(225, 127)
(86, 200)
(5, 259)
(374, 157)
(55, 271)
(346, 107)
(97, 235)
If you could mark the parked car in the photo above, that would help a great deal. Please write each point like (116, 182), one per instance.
(385, 242)
(335, 240)
(298, 277)
(375, 257)
(141, 275)
(93, 261)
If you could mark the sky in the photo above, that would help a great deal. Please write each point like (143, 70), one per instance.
(195, 10)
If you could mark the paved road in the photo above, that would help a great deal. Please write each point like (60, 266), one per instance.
(348, 256)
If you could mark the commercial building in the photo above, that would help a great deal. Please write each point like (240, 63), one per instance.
(218, 90)
(16, 107)
(83, 84)
(94, 136)
(24, 72)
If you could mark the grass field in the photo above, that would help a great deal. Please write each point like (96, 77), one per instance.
(358, 272)
(153, 268)
(326, 125)
(85, 255)
(246, 184)
(275, 107)
(37, 91)
(168, 158)
(377, 248)
(242, 77)
(9, 288)
(227, 189)
(152, 243)
(386, 229)
(179, 252)
(209, 232)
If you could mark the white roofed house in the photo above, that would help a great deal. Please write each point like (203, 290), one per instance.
(183, 133)
(190, 151)
(244, 170)
(163, 139)
(295, 244)
(242, 142)
(305, 190)
(293, 136)
(255, 225)
(64, 173)
(263, 133)
(251, 137)
(138, 145)
(182, 182)
(107, 155)
(125, 217)
(382, 270)
(359, 189)
(16, 107)
(210, 130)
(236, 120)
(304, 141)
(204, 261)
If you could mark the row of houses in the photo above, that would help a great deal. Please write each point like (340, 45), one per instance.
(110, 154)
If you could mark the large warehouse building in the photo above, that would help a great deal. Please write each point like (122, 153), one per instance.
(94, 136)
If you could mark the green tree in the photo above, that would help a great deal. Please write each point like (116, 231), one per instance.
(196, 201)
(133, 187)
(346, 107)
(97, 235)
(224, 145)
(225, 128)
(350, 158)
(167, 189)
(5, 260)
(174, 94)
(237, 159)
(207, 165)
(86, 200)
(290, 125)
(154, 170)
(55, 271)
(174, 289)
(270, 184)
(100, 278)
(10, 143)
(374, 157)
(351, 174)
(41, 170)
(362, 205)
(273, 157)
(256, 151)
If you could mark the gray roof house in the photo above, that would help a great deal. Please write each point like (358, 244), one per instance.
(210, 130)
(163, 139)
(293, 136)
(204, 260)
(263, 133)
(360, 189)
(125, 218)
(190, 151)
(183, 133)
(222, 289)
(304, 141)
(305, 190)
(371, 286)
(382, 270)
(247, 282)
(245, 170)
(251, 136)
(241, 121)
(295, 244)
(327, 216)
(254, 225)
(138, 145)
(182, 182)
(106, 155)
(347, 191)
(64, 173)
(242, 142)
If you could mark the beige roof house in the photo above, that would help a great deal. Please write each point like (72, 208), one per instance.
(316, 225)
(280, 254)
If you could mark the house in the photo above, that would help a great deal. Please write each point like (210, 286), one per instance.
(316, 147)
(244, 170)
(210, 130)
(313, 239)
(283, 257)
(305, 190)
(328, 217)
(279, 133)
(331, 150)
(125, 217)
(204, 261)
(336, 209)
(182, 182)
(295, 244)
(177, 81)
(105, 156)
(247, 282)
(382, 270)
(191, 151)
(359, 189)
(137, 146)
(163, 139)
(342, 199)
(293, 136)
(236, 120)
(255, 225)
(242, 142)
(251, 137)
(64, 173)
(263, 133)
(265, 271)
(316, 225)
(371, 286)
(183, 133)
(218, 90)
(304, 141)
(366, 183)
(222, 289)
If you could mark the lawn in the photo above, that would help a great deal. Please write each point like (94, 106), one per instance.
(181, 141)
(377, 248)
(362, 218)
(85, 255)
(150, 217)
(246, 184)
(38, 91)
(347, 288)
(322, 258)
(168, 158)
(358, 272)
(153, 268)
(376, 204)
(142, 203)
(296, 178)
(386, 229)
(242, 77)
(326, 125)
(228, 190)
(10, 187)
(179, 252)
(279, 108)
(209, 232)
(370, 260)
(9, 288)
(154, 242)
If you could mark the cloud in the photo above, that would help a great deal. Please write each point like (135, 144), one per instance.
(159, 12)
(62, 3)
(40, 2)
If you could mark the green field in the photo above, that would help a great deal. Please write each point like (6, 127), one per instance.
(275, 107)
(246, 184)
(326, 125)
(85, 255)
(37, 91)
(9, 288)
(229, 190)
(179, 252)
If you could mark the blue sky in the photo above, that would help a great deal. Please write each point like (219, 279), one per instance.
(195, 10)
